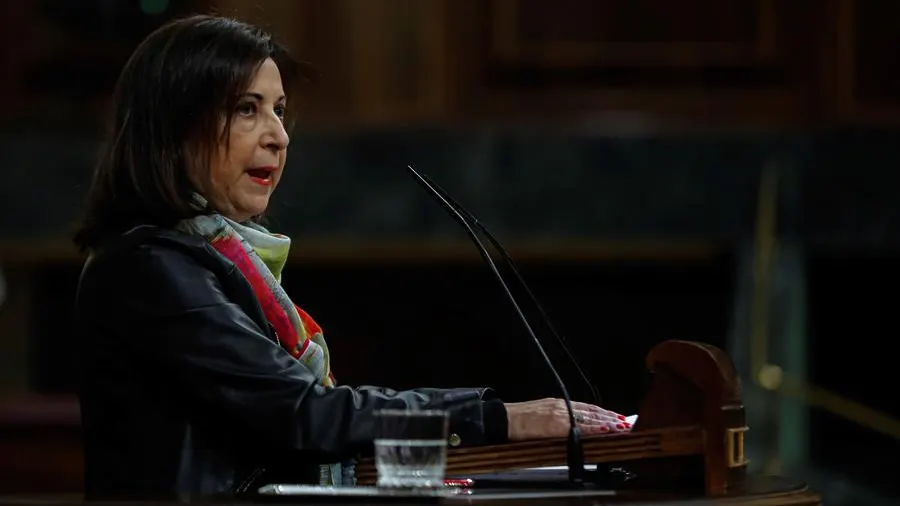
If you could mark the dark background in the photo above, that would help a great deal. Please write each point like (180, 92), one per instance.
(617, 147)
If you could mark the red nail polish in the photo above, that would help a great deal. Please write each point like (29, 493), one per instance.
(604, 429)
(628, 425)
(622, 417)
(620, 426)
(463, 483)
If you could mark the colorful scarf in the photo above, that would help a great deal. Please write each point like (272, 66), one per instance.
(260, 256)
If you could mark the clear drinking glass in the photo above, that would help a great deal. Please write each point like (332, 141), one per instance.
(411, 448)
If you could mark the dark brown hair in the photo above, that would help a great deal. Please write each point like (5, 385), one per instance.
(171, 98)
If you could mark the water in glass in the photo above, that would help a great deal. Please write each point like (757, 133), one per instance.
(415, 463)
(411, 448)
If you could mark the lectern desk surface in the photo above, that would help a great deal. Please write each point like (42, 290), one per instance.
(689, 432)
(759, 491)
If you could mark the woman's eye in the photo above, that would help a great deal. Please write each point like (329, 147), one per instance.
(280, 110)
(246, 109)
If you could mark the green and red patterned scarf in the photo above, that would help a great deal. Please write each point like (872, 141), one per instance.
(260, 256)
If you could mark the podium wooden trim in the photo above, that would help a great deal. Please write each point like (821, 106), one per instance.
(689, 433)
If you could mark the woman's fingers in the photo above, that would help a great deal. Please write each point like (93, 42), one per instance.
(595, 420)
(608, 425)
(549, 418)
(596, 417)
(582, 406)
(590, 430)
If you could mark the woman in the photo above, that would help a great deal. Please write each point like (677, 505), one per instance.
(201, 376)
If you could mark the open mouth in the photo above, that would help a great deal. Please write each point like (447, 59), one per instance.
(261, 176)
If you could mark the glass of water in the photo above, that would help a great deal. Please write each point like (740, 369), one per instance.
(411, 448)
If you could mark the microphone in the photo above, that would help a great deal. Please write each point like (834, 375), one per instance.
(574, 448)
(512, 266)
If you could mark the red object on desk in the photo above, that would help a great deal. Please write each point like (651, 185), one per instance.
(462, 483)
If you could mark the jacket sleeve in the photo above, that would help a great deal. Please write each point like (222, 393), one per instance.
(174, 309)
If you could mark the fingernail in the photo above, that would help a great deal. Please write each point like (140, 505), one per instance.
(620, 426)
(622, 417)
(627, 424)
(604, 429)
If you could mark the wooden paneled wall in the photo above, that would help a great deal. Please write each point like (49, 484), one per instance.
(768, 62)
(743, 61)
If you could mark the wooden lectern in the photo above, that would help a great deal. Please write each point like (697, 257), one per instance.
(689, 433)
(688, 442)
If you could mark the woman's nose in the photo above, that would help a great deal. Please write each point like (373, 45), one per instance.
(276, 138)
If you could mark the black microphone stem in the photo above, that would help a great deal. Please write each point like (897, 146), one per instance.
(574, 448)
(595, 394)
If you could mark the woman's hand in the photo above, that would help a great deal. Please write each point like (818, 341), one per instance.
(548, 418)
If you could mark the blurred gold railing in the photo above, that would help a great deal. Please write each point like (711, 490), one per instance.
(770, 376)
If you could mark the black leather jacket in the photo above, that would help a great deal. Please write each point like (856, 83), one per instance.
(185, 391)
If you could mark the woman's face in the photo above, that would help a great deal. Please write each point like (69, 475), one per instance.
(243, 175)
